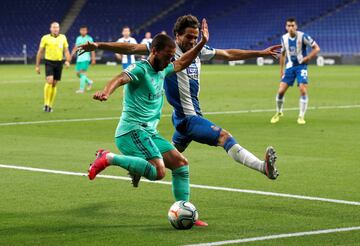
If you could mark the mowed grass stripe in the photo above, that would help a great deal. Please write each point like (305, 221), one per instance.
(168, 115)
(207, 187)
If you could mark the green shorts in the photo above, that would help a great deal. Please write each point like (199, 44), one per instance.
(82, 66)
(141, 144)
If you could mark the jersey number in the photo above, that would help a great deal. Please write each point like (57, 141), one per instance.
(303, 73)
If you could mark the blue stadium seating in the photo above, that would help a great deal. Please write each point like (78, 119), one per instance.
(255, 24)
(25, 21)
(106, 18)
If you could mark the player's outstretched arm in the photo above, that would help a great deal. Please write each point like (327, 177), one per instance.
(113, 84)
(187, 58)
(116, 47)
(237, 54)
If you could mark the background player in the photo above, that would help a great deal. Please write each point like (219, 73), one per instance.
(294, 44)
(128, 59)
(147, 41)
(83, 61)
(145, 151)
(54, 44)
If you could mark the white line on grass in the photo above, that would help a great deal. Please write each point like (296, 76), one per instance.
(168, 115)
(287, 235)
(257, 192)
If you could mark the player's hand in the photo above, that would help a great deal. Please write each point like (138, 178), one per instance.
(204, 31)
(93, 62)
(37, 69)
(281, 74)
(273, 51)
(305, 60)
(100, 96)
(67, 64)
(89, 46)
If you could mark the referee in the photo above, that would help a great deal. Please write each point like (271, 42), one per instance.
(55, 44)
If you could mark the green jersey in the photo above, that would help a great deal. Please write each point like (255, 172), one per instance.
(83, 40)
(143, 98)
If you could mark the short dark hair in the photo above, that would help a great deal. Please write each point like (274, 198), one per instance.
(291, 19)
(161, 41)
(184, 22)
(124, 27)
(83, 26)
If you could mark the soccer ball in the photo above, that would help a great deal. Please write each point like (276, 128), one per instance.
(182, 215)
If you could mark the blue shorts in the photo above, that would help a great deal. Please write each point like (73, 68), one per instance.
(299, 72)
(195, 128)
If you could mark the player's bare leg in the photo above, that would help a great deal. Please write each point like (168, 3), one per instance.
(243, 156)
(280, 99)
(303, 103)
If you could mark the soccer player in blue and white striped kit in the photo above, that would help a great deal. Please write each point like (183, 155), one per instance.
(294, 48)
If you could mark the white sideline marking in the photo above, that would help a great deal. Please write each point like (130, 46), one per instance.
(265, 193)
(168, 115)
(287, 235)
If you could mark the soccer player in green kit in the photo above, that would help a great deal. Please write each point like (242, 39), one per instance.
(145, 151)
(83, 61)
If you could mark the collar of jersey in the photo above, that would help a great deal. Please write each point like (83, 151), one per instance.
(293, 38)
(150, 65)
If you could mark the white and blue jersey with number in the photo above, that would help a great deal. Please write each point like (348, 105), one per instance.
(182, 88)
(126, 60)
(295, 49)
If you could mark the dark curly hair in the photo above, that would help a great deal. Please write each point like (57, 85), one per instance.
(184, 22)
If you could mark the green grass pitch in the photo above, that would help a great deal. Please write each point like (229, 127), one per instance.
(319, 159)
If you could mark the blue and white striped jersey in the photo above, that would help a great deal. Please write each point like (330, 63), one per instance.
(182, 89)
(295, 48)
(127, 59)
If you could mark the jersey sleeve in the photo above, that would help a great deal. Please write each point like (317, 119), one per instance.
(282, 45)
(77, 41)
(207, 53)
(169, 69)
(308, 40)
(135, 72)
(91, 40)
(43, 42)
(66, 44)
(148, 47)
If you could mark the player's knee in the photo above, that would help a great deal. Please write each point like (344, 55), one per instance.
(180, 148)
(182, 161)
(224, 136)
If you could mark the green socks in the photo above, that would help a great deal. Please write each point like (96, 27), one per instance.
(83, 79)
(134, 165)
(181, 183)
